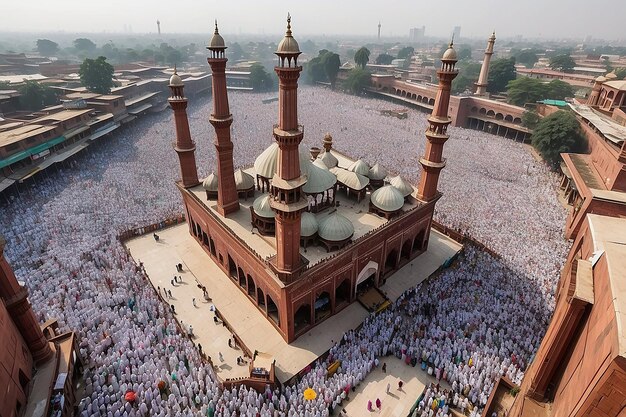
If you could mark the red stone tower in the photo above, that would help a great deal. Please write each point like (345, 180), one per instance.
(481, 85)
(185, 147)
(221, 119)
(436, 134)
(15, 298)
(288, 201)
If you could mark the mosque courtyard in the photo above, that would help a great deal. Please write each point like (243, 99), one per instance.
(176, 245)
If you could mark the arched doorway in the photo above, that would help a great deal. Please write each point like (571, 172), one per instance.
(232, 268)
(260, 298)
(418, 243)
(342, 293)
(272, 310)
(212, 246)
(366, 278)
(302, 318)
(242, 278)
(251, 287)
(406, 250)
(322, 306)
(391, 262)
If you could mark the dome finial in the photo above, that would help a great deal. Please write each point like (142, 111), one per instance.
(288, 24)
(217, 32)
(175, 72)
(451, 42)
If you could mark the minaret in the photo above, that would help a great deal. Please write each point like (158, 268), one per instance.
(221, 119)
(379, 30)
(159, 27)
(184, 147)
(288, 201)
(481, 85)
(436, 134)
(15, 298)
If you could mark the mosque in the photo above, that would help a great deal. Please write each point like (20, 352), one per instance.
(304, 234)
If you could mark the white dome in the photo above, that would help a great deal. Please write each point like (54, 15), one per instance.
(335, 228)
(360, 167)
(288, 44)
(351, 179)
(308, 224)
(450, 54)
(261, 206)
(176, 81)
(210, 183)
(265, 164)
(404, 187)
(377, 172)
(319, 180)
(387, 198)
(328, 159)
(320, 164)
(243, 180)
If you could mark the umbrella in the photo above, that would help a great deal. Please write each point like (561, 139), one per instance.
(310, 394)
(130, 396)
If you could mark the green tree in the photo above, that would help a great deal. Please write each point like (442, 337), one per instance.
(5, 85)
(260, 78)
(46, 47)
(527, 57)
(558, 133)
(331, 64)
(384, 59)
(315, 70)
(358, 80)
(35, 96)
(406, 52)
(530, 119)
(84, 44)
(500, 73)
(564, 63)
(468, 75)
(236, 52)
(559, 90)
(97, 75)
(174, 57)
(362, 57)
(526, 90)
(621, 73)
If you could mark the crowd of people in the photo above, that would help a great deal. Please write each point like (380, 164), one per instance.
(478, 320)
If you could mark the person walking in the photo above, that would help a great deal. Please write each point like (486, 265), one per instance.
(193, 300)
(221, 357)
(388, 387)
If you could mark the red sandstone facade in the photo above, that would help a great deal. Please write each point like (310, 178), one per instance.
(286, 287)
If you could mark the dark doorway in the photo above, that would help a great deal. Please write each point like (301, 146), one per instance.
(342, 293)
(302, 318)
(322, 307)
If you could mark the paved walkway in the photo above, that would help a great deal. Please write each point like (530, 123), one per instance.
(177, 245)
(396, 403)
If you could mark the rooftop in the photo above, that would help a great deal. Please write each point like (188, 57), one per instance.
(64, 115)
(20, 133)
(609, 235)
(587, 173)
(611, 130)
(357, 213)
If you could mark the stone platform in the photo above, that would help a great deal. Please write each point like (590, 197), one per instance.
(176, 245)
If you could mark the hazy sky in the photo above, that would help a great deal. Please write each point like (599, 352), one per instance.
(530, 18)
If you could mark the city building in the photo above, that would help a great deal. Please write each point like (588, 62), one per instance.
(326, 230)
(417, 34)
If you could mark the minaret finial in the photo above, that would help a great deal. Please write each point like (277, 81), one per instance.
(288, 24)
(452, 41)
(216, 31)
(175, 72)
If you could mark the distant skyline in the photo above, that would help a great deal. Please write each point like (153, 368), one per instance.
(531, 18)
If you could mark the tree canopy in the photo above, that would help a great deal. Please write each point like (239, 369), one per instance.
(526, 57)
(563, 63)
(530, 90)
(331, 63)
(358, 79)
(260, 79)
(468, 75)
(556, 134)
(621, 73)
(97, 75)
(384, 59)
(35, 96)
(406, 52)
(84, 44)
(46, 47)
(530, 119)
(362, 57)
(501, 72)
